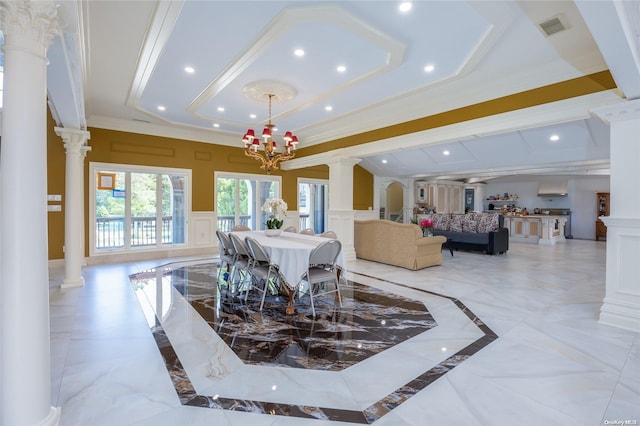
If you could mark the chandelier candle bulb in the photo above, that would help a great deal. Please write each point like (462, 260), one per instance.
(269, 158)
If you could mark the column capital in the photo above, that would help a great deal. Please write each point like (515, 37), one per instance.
(75, 140)
(626, 110)
(29, 24)
(348, 162)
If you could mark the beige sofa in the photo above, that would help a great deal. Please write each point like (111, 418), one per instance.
(399, 244)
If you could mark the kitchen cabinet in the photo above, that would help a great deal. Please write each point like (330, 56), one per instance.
(602, 210)
(540, 229)
(443, 197)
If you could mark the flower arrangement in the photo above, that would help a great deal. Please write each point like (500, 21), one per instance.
(426, 224)
(276, 208)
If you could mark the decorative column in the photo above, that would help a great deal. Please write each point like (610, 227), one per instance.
(25, 396)
(621, 307)
(341, 213)
(75, 142)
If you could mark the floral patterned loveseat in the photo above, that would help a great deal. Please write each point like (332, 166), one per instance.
(472, 231)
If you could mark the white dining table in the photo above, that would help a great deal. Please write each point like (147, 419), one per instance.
(290, 252)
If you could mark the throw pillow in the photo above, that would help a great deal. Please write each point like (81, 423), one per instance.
(472, 215)
(456, 222)
(470, 225)
(441, 221)
(488, 222)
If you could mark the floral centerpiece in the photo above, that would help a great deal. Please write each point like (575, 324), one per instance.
(276, 208)
(427, 227)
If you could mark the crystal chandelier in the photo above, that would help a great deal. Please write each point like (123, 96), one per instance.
(269, 157)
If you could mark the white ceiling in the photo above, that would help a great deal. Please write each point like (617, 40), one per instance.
(117, 61)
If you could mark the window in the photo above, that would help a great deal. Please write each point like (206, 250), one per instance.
(239, 199)
(313, 200)
(137, 207)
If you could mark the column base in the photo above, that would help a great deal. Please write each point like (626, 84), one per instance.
(621, 315)
(621, 307)
(70, 283)
(53, 418)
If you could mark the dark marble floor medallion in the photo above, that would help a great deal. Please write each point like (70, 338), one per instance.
(369, 322)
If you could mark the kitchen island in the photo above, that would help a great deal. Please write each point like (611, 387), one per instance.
(536, 228)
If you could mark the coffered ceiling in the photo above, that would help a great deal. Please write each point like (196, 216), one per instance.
(193, 70)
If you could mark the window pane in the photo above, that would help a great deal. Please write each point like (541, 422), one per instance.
(245, 195)
(143, 209)
(173, 209)
(110, 213)
(225, 203)
(268, 189)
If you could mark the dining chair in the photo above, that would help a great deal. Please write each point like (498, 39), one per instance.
(322, 269)
(290, 229)
(240, 228)
(329, 234)
(240, 263)
(308, 231)
(226, 253)
(261, 269)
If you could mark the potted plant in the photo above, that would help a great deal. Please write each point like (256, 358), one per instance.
(276, 208)
(427, 227)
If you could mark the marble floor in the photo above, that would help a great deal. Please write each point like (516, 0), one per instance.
(479, 340)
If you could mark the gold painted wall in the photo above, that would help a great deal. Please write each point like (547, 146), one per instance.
(109, 146)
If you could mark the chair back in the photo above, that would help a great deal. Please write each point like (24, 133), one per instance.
(239, 246)
(241, 228)
(325, 254)
(225, 242)
(290, 229)
(308, 231)
(256, 251)
(329, 234)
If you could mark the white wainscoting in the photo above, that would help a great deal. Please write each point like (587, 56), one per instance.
(203, 229)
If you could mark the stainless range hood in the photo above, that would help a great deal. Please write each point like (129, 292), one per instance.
(553, 188)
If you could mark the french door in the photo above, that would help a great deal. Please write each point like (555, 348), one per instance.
(137, 207)
(239, 199)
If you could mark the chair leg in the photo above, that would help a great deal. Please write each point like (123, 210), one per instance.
(313, 308)
(338, 291)
(264, 290)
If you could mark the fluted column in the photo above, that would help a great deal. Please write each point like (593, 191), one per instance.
(621, 307)
(75, 142)
(341, 213)
(25, 396)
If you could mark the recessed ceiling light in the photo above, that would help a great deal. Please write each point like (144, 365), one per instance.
(252, 116)
(429, 68)
(328, 108)
(161, 108)
(189, 70)
(298, 52)
(405, 6)
(341, 68)
(216, 125)
(384, 161)
(445, 152)
(554, 138)
(220, 109)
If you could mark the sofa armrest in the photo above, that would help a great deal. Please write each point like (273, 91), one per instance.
(498, 241)
(427, 241)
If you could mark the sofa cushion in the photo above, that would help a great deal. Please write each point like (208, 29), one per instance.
(456, 223)
(464, 237)
(488, 222)
(441, 221)
(470, 225)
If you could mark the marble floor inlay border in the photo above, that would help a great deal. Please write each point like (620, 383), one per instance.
(189, 396)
